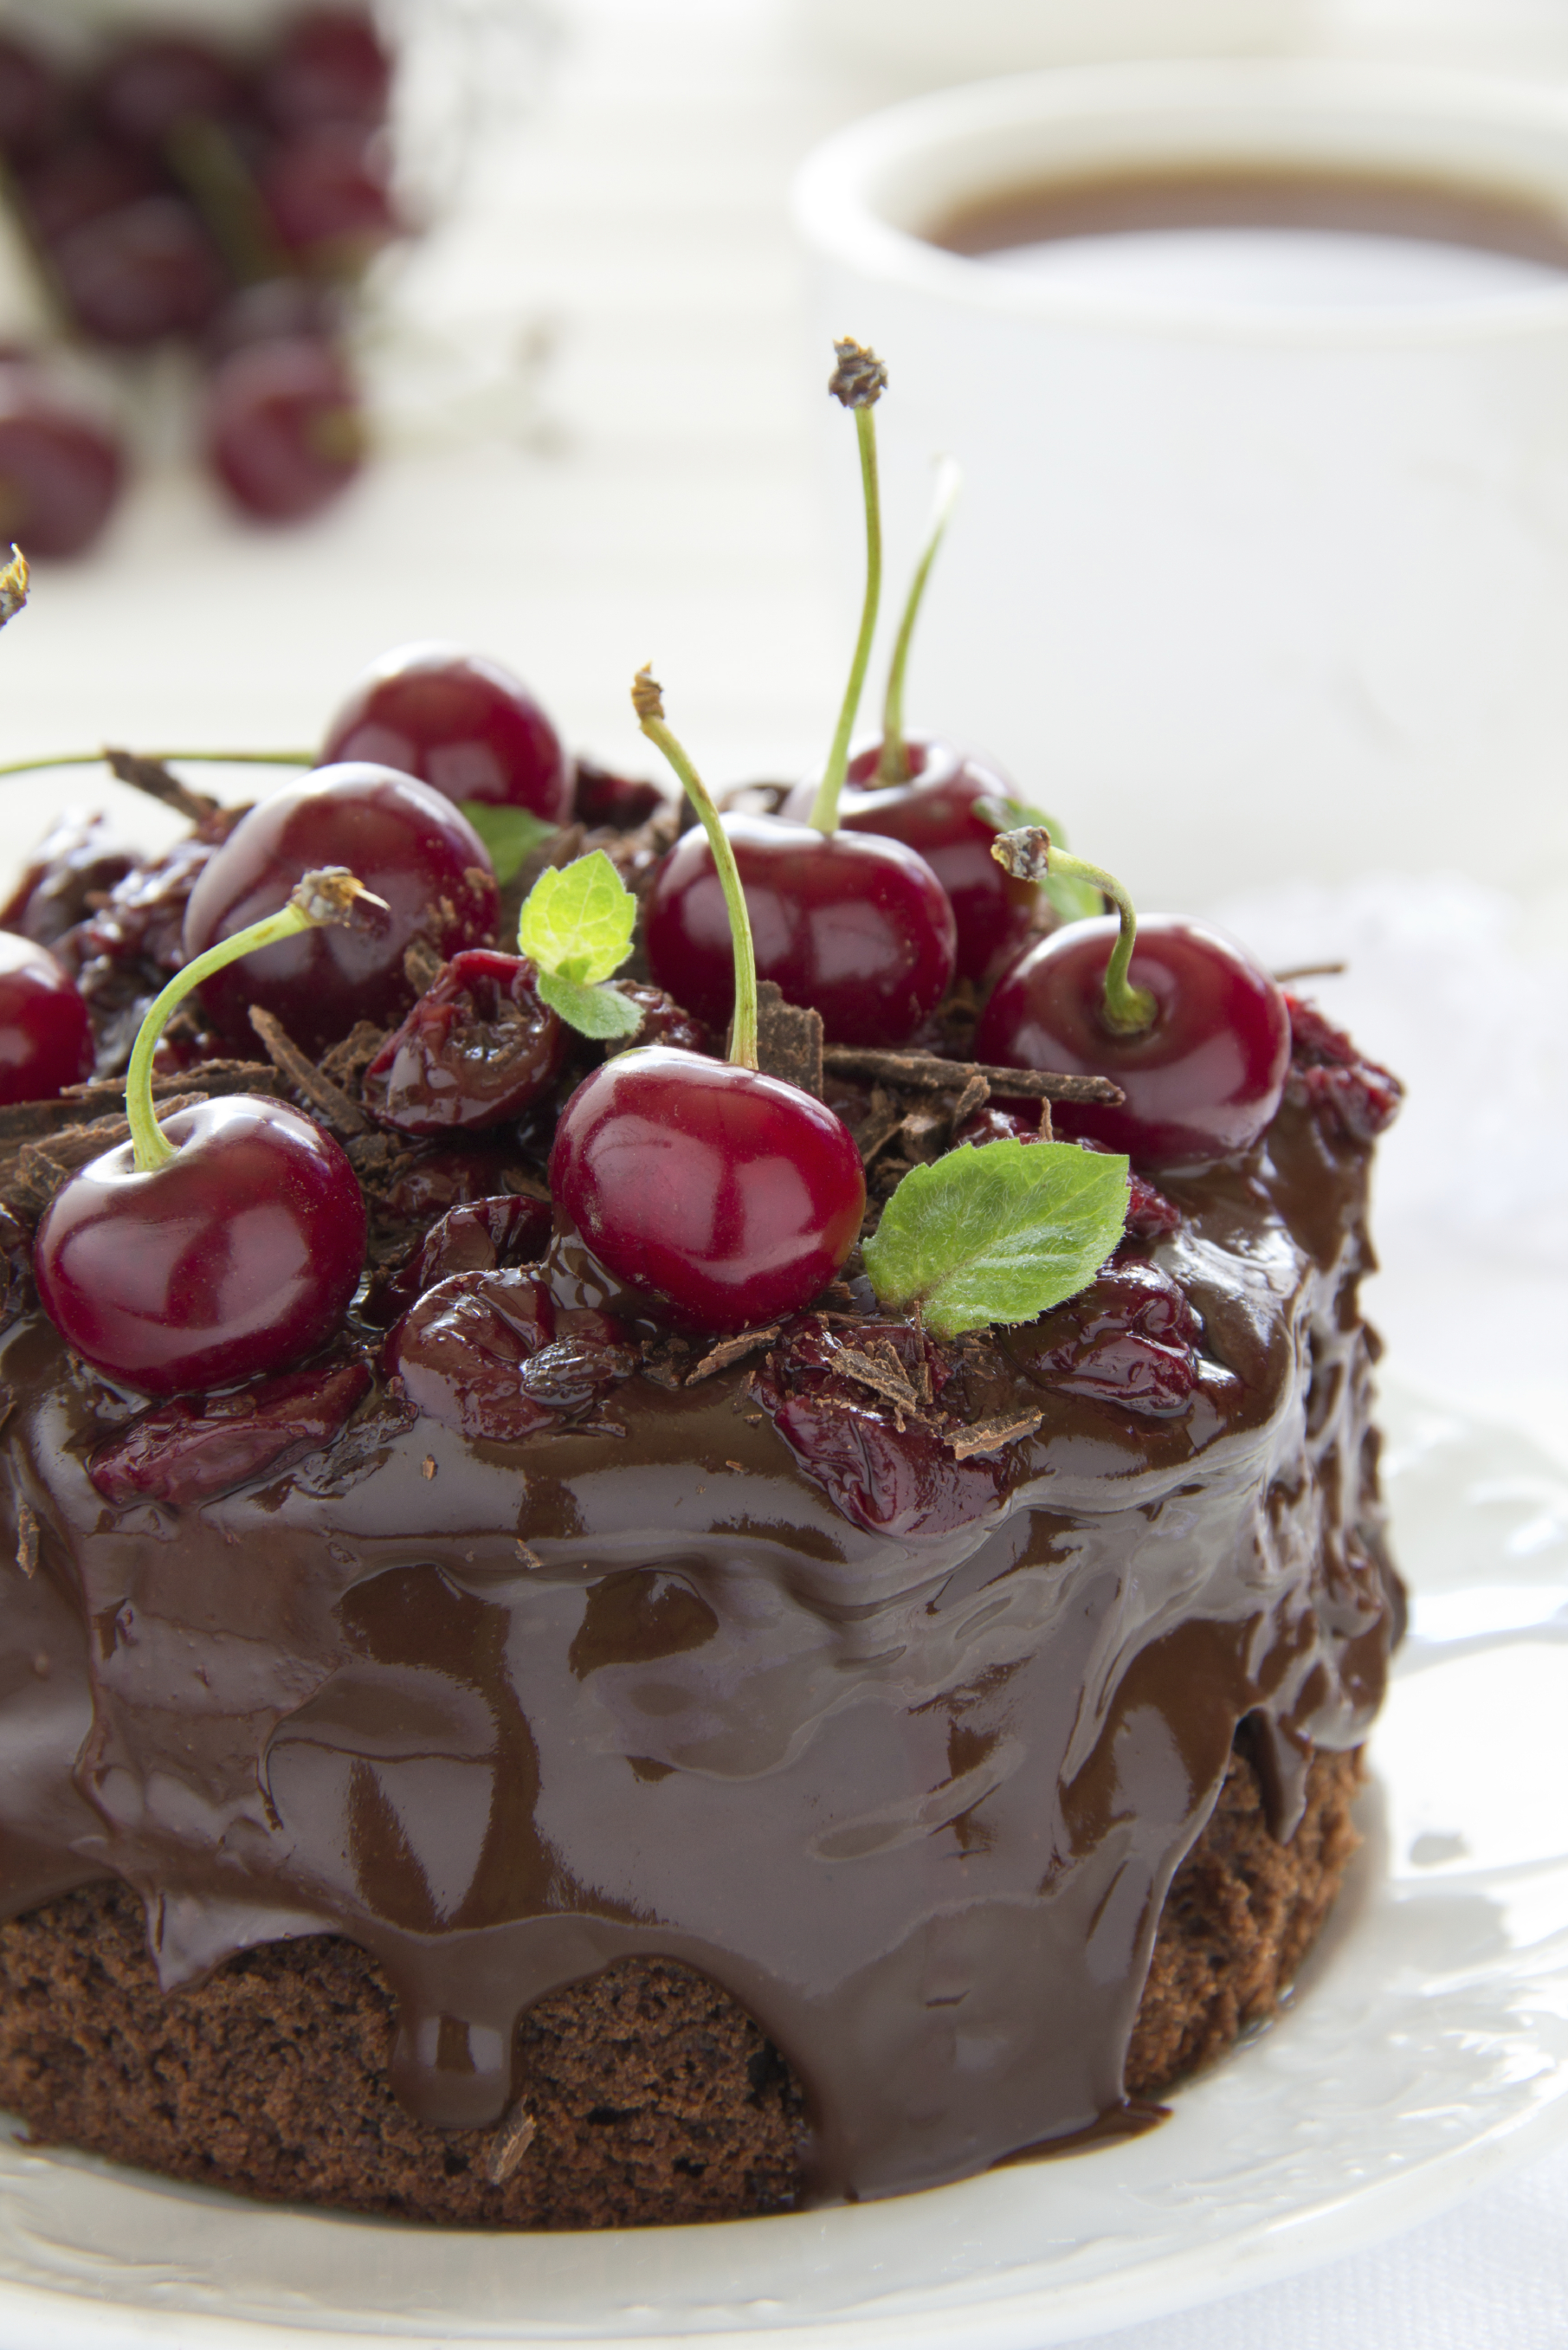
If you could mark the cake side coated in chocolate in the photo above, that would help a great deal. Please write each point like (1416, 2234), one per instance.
(898, 1740)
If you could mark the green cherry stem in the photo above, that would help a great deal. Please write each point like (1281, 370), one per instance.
(893, 766)
(159, 758)
(331, 895)
(858, 381)
(1029, 855)
(649, 704)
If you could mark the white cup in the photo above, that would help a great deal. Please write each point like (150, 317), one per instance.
(1236, 589)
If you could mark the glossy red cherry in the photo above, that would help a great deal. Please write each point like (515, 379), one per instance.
(460, 722)
(477, 1048)
(46, 1037)
(1201, 1082)
(730, 1195)
(857, 928)
(406, 843)
(934, 814)
(237, 1256)
(60, 469)
(286, 434)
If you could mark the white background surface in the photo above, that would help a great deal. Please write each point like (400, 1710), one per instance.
(623, 307)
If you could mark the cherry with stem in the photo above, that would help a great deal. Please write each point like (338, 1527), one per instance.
(1194, 1031)
(221, 1245)
(856, 927)
(726, 1195)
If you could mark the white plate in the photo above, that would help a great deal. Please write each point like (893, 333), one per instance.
(1429, 2050)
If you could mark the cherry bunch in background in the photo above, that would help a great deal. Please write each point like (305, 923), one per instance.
(171, 189)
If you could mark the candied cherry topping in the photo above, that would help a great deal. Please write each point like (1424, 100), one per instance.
(77, 861)
(600, 797)
(1329, 1076)
(197, 1447)
(460, 722)
(1201, 1081)
(46, 1039)
(483, 1353)
(406, 843)
(502, 1231)
(477, 1048)
(1129, 1339)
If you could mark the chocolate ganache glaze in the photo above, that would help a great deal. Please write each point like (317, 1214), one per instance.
(896, 1731)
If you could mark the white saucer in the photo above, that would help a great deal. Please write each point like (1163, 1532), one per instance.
(1428, 2051)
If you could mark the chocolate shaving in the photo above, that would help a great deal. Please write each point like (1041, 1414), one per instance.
(879, 1125)
(34, 1171)
(422, 966)
(305, 1076)
(876, 1367)
(527, 1555)
(991, 1435)
(789, 1040)
(151, 776)
(975, 1094)
(924, 1130)
(27, 1541)
(925, 1073)
(33, 1121)
(510, 2144)
(729, 1350)
(663, 1360)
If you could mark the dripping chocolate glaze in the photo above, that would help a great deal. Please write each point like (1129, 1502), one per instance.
(503, 1713)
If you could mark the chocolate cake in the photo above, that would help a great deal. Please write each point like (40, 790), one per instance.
(652, 1778)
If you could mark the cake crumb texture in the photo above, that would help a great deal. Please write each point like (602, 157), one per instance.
(653, 2098)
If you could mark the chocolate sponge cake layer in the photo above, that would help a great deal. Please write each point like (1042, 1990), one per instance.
(646, 2096)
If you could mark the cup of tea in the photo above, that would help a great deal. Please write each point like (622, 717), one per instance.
(1259, 377)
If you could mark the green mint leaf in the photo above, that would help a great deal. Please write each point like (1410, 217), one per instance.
(1071, 901)
(998, 1233)
(578, 921)
(597, 1011)
(509, 834)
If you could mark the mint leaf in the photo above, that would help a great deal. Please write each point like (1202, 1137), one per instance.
(578, 919)
(597, 1011)
(509, 834)
(1072, 901)
(998, 1233)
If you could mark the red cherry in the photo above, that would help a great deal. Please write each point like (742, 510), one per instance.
(61, 470)
(329, 67)
(934, 814)
(856, 927)
(325, 193)
(730, 1195)
(406, 843)
(140, 272)
(46, 1037)
(237, 1256)
(477, 1048)
(1202, 1082)
(460, 722)
(284, 430)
